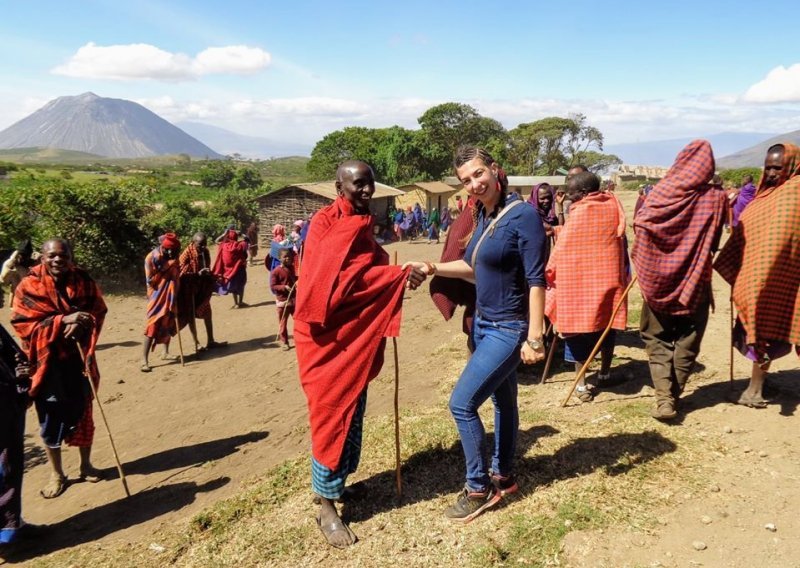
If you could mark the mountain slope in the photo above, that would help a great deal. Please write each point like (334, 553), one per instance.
(753, 157)
(663, 152)
(107, 127)
(228, 142)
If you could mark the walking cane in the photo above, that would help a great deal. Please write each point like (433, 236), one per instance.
(88, 371)
(398, 476)
(600, 341)
(178, 333)
(733, 325)
(285, 311)
(550, 353)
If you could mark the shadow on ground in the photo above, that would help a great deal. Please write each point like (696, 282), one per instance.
(440, 471)
(94, 524)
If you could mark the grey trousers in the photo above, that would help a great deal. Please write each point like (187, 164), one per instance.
(672, 344)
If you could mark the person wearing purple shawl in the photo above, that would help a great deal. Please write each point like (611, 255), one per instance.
(445, 217)
(542, 198)
(743, 198)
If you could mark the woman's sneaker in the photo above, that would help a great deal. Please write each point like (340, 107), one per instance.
(470, 504)
(504, 485)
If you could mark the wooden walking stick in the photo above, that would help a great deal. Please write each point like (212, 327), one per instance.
(398, 476)
(178, 333)
(88, 370)
(733, 325)
(550, 353)
(599, 342)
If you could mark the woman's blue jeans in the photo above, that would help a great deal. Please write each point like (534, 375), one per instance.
(490, 372)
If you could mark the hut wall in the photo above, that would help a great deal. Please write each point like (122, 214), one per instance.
(285, 207)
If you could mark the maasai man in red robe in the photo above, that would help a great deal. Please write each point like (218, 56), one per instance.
(677, 230)
(348, 303)
(57, 308)
(230, 267)
(161, 276)
(587, 274)
(196, 286)
(762, 263)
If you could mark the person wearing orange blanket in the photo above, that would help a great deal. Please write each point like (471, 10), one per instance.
(761, 261)
(56, 309)
(677, 228)
(196, 286)
(587, 274)
(348, 302)
(161, 274)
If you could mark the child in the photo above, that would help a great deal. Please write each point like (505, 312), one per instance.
(281, 282)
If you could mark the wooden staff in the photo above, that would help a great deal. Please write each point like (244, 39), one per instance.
(600, 341)
(178, 333)
(285, 311)
(398, 476)
(733, 325)
(88, 370)
(550, 353)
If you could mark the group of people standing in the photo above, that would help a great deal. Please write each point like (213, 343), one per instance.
(557, 263)
(564, 261)
(415, 222)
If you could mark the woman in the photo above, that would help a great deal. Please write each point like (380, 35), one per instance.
(505, 259)
(230, 267)
(447, 220)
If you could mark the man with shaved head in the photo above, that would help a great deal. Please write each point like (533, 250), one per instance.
(348, 302)
(58, 312)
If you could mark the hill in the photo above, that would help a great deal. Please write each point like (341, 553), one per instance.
(106, 127)
(663, 152)
(753, 157)
(228, 142)
(46, 156)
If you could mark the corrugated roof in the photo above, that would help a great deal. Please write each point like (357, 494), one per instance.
(328, 189)
(435, 187)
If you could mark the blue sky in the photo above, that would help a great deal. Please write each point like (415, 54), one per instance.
(295, 70)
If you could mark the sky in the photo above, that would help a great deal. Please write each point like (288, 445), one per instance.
(295, 70)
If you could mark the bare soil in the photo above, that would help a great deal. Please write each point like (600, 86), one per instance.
(190, 435)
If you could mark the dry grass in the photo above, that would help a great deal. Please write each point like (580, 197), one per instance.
(583, 467)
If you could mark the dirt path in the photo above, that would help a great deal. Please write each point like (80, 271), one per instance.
(188, 436)
(193, 435)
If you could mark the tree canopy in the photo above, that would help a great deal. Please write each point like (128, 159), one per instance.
(400, 155)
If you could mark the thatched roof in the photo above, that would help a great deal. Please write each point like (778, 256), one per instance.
(328, 189)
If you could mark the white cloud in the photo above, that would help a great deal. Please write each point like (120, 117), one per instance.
(144, 61)
(781, 85)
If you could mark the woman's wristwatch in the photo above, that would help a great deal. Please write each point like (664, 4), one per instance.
(535, 344)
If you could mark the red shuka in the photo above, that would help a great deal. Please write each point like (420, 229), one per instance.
(348, 302)
(587, 273)
(37, 314)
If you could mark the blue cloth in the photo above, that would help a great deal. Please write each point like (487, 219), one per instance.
(510, 261)
(578, 347)
(490, 372)
(329, 483)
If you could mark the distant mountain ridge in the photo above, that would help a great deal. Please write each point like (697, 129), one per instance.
(663, 152)
(228, 142)
(753, 157)
(114, 128)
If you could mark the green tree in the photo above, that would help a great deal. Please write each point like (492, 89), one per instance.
(445, 127)
(216, 173)
(247, 177)
(596, 161)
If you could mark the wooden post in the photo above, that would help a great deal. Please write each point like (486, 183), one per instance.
(398, 476)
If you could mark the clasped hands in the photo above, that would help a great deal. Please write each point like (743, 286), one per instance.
(417, 274)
